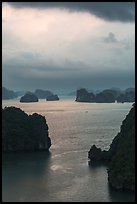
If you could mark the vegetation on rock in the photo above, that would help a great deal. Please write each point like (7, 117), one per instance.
(22, 132)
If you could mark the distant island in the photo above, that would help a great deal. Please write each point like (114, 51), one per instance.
(120, 158)
(8, 94)
(127, 96)
(45, 94)
(106, 96)
(22, 132)
(53, 98)
(84, 96)
(29, 97)
(42, 94)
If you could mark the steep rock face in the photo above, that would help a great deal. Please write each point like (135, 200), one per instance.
(22, 132)
(112, 92)
(105, 97)
(121, 173)
(84, 96)
(29, 97)
(42, 94)
(8, 94)
(120, 156)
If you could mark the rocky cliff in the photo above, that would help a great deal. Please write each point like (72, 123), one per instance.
(22, 132)
(121, 155)
(84, 96)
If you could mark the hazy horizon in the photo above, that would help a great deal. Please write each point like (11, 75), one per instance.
(68, 91)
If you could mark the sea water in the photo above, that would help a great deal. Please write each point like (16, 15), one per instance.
(63, 174)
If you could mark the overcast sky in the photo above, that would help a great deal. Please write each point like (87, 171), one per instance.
(64, 46)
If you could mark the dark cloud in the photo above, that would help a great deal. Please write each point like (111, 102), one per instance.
(105, 60)
(111, 11)
(70, 81)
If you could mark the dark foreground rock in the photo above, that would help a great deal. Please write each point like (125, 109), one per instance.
(22, 132)
(121, 155)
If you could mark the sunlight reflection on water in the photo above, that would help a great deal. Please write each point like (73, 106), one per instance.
(64, 174)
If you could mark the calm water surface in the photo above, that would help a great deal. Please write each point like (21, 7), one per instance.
(63, 175)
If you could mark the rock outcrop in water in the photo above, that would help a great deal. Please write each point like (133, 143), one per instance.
(42, 94)
(96, 155)
(53, 98)
(22, 132)
(84, 96)
(106, 96)
(121, 155)
(128, 96)
(28, 98)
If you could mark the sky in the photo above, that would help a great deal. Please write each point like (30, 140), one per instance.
(64, 46)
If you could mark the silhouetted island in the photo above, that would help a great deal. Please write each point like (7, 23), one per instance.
(120, 158)
(127, 96)
(8, 94)
(53, 98)
(42, 94)
(22, 132)
(84, 96)
(106, 96)
(29, 97)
